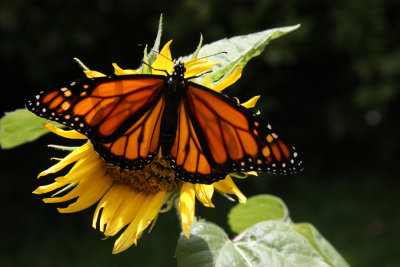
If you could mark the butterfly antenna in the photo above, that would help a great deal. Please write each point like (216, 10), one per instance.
(158, 53)
(216, 54)
(201, 74)
(166, 72)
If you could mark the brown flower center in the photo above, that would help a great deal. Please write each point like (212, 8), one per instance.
(156, 176)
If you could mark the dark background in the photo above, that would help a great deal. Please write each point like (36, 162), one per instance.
(332, 86)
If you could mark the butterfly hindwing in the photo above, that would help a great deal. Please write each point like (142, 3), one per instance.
(187, 154)
(138, 145)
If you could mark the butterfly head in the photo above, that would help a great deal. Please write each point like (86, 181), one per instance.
(176, 82)
(179, 70)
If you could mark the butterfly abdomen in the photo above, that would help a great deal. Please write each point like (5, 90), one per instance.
(169, 124)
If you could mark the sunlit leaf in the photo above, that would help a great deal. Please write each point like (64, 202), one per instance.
(238, 50)
(325, 249)
(19, 127)
(256, 209)
(270, 243)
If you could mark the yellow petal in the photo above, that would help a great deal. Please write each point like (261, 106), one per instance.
(232, 78)
(163, 61)
(95, 190)
(109, 204)
(252, 173)
(93, 74)
(119, 71)
(151, 211)
(84, 186)
(67, 134)
(70, 158)
(126, 212)
(229, 187)
(186, 207)
(85, 167)
(196, 66)
(251, 102)
(71, 195)
(204, 193)
(129, 236)
(148, 211)
(48, 188)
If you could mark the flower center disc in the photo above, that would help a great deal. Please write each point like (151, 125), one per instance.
(156, 176)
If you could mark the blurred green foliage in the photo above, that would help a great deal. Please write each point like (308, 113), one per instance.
(332, 86)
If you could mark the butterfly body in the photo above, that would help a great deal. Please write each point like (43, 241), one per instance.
(204, 134)
(175, 89)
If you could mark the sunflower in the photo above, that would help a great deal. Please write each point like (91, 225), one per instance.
(129, 201)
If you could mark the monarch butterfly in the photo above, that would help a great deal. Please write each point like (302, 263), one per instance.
(204, 134)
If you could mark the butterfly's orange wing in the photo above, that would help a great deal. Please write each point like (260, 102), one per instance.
(187, 153)
(138, 145)
(120, 115)
(230, 137)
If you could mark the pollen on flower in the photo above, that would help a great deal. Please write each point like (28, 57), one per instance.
(155, 177)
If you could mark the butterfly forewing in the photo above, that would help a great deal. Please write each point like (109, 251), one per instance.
(120, 115)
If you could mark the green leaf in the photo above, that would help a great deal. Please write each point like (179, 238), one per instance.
(206, 245)
(256, 209)
(239, 50)
(324, 248)
(19, 127)
(270, 243)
